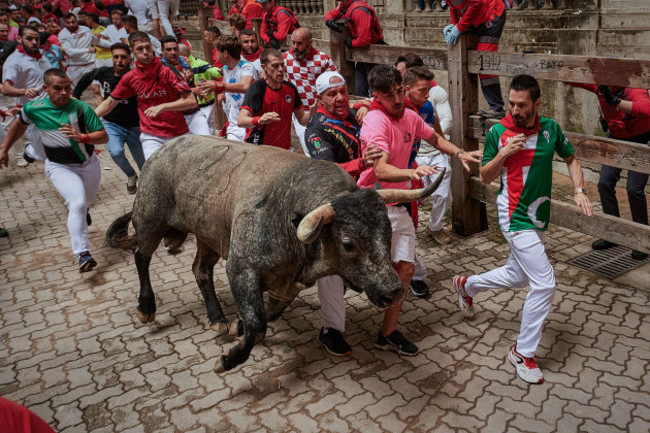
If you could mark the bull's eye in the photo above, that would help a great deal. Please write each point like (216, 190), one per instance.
(348, 246)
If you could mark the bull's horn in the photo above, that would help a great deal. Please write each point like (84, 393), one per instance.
(391, 196)
(310, 226)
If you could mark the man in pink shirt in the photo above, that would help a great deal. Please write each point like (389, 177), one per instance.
(394, 130)
(162, 96)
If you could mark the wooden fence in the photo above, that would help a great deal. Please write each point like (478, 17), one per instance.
(463, 63)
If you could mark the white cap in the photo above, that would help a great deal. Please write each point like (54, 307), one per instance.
(323, 81)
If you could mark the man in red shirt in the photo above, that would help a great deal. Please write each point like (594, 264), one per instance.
(363, 24)
(486, 18)
(216, 12)
(210, 36)
(248, 9)
(278, 23)
(625, 115)
(269, 104)
(162, 96)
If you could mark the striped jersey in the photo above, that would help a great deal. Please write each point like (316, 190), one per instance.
(524, 199)
(48, 119)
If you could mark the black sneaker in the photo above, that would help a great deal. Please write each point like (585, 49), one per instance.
(602, 244)
(491, 114)
(28, 158)
(89, 220)
(397, 342)
(443, 5)
(334, 342)
(86, 262)
(420, 289)
(3, 232)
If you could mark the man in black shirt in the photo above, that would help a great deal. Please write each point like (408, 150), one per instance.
(121, 124)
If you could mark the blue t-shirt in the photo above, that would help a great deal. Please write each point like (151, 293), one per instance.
(427, 114)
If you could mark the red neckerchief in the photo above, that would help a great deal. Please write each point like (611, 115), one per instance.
(510, 124)
(150, 70)
(253, 56)
(409, 104)
(326, 112)
(374, 105)
(21, 50)
(433, 83)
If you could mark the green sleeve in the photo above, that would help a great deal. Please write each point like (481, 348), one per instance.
(562, 145)
(491, 146)
(213, 73)
(91, 121)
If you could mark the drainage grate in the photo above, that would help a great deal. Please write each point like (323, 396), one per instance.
(609, 263)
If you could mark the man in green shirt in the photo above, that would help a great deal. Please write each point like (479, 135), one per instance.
(68, 128)
(519, 150)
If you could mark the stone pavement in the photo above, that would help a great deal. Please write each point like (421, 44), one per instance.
(72, 350)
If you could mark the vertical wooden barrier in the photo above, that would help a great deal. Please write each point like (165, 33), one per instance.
(338, 53)
(204, 23)
(256, 24)
(469, 215)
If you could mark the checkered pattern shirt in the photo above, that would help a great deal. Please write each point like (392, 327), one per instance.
(303, 73)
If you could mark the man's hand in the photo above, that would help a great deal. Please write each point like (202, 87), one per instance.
(13, 111)
(422, 171)
(92, 50)
(583, 201)
(452, 36)
(467, 157)
(372, 153)
(32, 92)
(514, 145)
(348, 42)
(154, 111)
(70, 132)
(332, 25)
(361, 113)
(313, 108)
(209, 86)
(609, 97)
(4, 158)
(269, 117)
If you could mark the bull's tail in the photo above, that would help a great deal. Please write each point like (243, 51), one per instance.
(117, 235)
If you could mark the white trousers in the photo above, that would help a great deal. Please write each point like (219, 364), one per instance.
(164, 7)
(332, 302)
(441, 196)
(300, 132)
(208, 111)
(198, 123)
(100, 63)
(77, 184)
(420, 270)
(527, 265)
(35, 147)
(75, 72)
(151, 143)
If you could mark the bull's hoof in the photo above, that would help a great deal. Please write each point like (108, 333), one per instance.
(144, 318)
(172, 251)
(220, 368)
(236, 328)
(221, 328)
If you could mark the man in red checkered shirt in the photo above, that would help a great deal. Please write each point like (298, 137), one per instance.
(304, 65)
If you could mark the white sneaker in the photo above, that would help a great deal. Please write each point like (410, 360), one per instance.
(464, 300)
(527, 368)
(22, 162)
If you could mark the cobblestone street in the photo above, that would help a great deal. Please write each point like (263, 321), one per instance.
(72, 350)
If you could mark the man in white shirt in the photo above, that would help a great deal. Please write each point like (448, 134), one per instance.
(131, 25)
(22, 73)
(167, 9)
(115, 32)
(76, 42)
(139, 9)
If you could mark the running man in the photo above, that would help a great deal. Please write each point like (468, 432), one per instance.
(69, 128)
(76, 42)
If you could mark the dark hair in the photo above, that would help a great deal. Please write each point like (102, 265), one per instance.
(130, 20)
(22, 29)
(67, 15)
(232, 19)
(214, 30)
(247, 32)
(410, 59)
(269, 52)
(121, 46)
(167, 39)
(526, 82)
(117, 11)
(53, 72)
(138, 36)
(229, 44)
(384, 78)
(417, 73)
(47, 7)
(100, 6)
(28, 9)
(93, 16)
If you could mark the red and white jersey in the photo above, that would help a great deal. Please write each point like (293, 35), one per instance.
(303, 73)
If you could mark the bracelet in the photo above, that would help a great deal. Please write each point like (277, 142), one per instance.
(459, 153)
(219, 86)
(85, 138)
(579, 191)
(256, 121)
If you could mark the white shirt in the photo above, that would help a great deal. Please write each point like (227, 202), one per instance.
(155, 43)
(140, 9)
(76, 46)
(258, 66)
(440, 101)
(114, 35)
(25, 72)
(231, 76)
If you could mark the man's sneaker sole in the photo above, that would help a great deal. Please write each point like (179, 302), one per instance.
(87, 266)
(333, 352)
(516, 361)
(465, 308)
(390, 347)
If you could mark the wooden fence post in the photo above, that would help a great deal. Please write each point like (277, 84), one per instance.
(469, 216)
(204, 23)
(256, 24)
(339, 56)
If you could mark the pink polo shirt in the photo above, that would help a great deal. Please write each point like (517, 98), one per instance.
(395, 137)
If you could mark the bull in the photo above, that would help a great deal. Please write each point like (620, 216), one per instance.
(281, 220)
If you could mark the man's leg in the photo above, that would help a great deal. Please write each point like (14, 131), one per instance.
(197, 123)
(441, 197)
(361, 86)
(150, 143)
(155, 17)
(163, 10)
(300, 132)
(488, 40)
(417, 285)
(609, 177)
(117, 135)
(636, 183)
(332, 304)
(135, 147)
(208, 112)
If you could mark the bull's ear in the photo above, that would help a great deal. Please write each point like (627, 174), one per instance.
(310, 226)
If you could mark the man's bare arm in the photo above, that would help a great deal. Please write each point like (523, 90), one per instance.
(106, 107)
(575, 172)
(16, 131)
(386, 172)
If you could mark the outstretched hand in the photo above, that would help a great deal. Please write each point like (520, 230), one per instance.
(467, 157)
(583, 201)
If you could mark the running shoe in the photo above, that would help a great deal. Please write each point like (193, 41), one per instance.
(420, 289)
(132, 184)
(396, 342)
(86, 262)
(527, 368)
(333, 341)
(465, 301)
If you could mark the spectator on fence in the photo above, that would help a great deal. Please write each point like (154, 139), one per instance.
(131, 26)
(333, 134)
(277, 24)
(304, 64)
(238, 75)
(250, 49)
(269, 104)
(248, 9)
(486, 18)
(363, 25)
(237, 23)
(625, 115)
(519, 150)
(115, 32)
(210, 36)
(152, 6)
(216, 12)
(141, 11)
(168, 11)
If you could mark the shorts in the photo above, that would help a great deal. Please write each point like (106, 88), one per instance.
(402, 248)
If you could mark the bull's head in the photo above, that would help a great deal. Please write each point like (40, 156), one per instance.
(355, 236)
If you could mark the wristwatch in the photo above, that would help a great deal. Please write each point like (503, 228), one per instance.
(459, 153)
(579, 191)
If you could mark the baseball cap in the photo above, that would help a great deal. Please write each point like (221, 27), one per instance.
(262, 1)
(323, 81)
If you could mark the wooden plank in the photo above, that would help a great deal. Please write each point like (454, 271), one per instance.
(387, 54)
(469, 216)
(337, 51)
(558, 67)
(204, 23)
(599, 150)
(623, 232)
